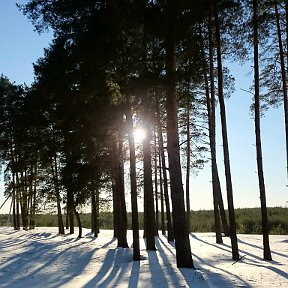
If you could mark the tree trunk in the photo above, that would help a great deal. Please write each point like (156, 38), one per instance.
(54, 169)
(286, 100)
(156, 185)
(265, 227)
(93, 212)
(133, 185)
(17, 209)
(148, 193)
(78, 222)
(234, 244)
(33, 202)
(211, 125)
(165, 180)
(215, 178)
(115, 201)
(67, 218)
(70, 210)
(97, 212)
(14, 199)
(14, 209)
(188, 160)
(161, 198)
(22, 196)
(149, 210)
(120, 195)
(181, 233)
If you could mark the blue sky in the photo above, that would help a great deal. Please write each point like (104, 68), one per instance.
(20, 46)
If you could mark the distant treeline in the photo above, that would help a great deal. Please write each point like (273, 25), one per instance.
(248, 220)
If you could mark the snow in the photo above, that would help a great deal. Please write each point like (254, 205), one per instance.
(41, 258)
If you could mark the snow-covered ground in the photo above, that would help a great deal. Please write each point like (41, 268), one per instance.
(41, 258)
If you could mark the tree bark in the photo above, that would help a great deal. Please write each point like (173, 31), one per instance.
(234, 244)
(70, 210)
(265, 227)
(32, 221)
(165, 178)
(93, 213)
(78, 222)
(148, 193)
(161, 198)
(188, 160)
(54, 169)
(120, 207)
(181, 233)
(156, 185)
(133, 185)
(95, 210)
(211, 126)
(115, 200)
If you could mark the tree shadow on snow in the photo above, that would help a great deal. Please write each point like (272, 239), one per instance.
(157, 270)
(261, 248)
(115, 269)
(49, 262)
(214, 277)
(190, 275)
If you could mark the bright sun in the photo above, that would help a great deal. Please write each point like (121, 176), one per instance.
(139, 134)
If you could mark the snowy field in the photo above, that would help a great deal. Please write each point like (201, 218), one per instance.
(41, 258)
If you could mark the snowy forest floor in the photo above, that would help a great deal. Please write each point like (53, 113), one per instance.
(41, 258)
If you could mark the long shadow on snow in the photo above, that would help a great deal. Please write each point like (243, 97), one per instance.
(256, 263)
(22, 263)
(227, 248)
(261, 248)
(244, 252)
(216, 277)
(28, 249)
(189, 275)
(156, 270)
(114, 268)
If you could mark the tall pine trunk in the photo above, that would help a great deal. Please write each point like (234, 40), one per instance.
(54, 169)
(32, 220)
(119, 194)
(14, 209)
(14, 199)
(265, 227)
(93, 213)
(133, 185)
(188, 160)
(95, 209)
(211, 128)
(78, 219)
(215, 175)
(70, 209)
(165, 178)
(161, 198)
(285, 100)
(156, 185)
(149, 211)
(232, 222)
(181, 233)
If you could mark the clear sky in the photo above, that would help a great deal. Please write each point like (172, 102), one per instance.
(20, 46)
